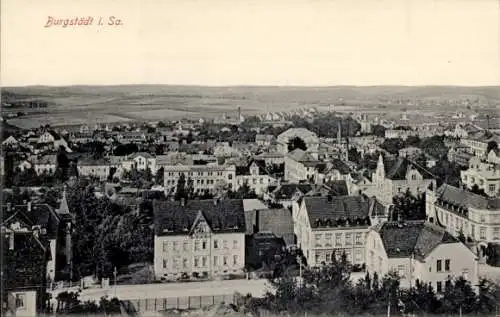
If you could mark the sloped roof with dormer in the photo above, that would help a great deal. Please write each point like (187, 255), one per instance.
(412, 238)
(463, 198)
(175, 218)
(334, 211)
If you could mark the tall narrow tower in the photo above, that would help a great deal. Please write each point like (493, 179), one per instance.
(339, 134)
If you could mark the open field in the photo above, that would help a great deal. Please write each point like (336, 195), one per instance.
(72, 105)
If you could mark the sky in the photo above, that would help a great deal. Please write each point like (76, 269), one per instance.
(259, 42)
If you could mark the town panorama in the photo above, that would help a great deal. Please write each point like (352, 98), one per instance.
(250, 201)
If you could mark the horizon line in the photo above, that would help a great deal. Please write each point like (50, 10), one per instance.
(252, 86)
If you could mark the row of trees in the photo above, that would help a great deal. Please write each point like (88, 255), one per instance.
(330, 289)
(106, 234)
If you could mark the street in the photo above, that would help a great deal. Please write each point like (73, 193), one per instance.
(173, 290)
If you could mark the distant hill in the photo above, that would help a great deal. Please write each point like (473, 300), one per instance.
(264, 92)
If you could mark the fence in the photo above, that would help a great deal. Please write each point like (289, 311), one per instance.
(187, 302)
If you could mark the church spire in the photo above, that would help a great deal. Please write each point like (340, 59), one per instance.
(339, 133)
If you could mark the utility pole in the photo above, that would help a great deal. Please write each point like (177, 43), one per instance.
(115, 272)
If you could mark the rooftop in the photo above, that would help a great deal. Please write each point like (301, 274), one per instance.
(222, 216)
(417, 238)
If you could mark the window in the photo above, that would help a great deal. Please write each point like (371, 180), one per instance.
(216, 244)
(318, 237)
(204, 245)
(254, 181)
(447, 265)
(328, 257)
(439, 286)
(196, 245)
(176, 263)
(482, 233)
(185, 246)
(230, 176)
(328, 239)
(359, 256)
(165, 263)
(235, 244)
(401, 270)
(338, 239)
(348, 239)
(358, 239)
(235, 260)
(348, 255)
(165, 246)
(216, 261)
(20, 298)
(224, 260)
(184, 263)
(473, 231)
(176, 246)
(492, 188)
(196, 261)
(204, 261)
(496, 233)
(261, 180)
(317, 257)
(438, 266)
(481, 182)
(225, 244)
(413, 177)
(482, 218)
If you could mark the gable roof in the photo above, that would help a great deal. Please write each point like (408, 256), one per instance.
(463, 198)
(287, 191)
(223, 216)
(398, 168)
(337, 188)
(417, 238)
(40, 215)
(340, 166)
(333, 211)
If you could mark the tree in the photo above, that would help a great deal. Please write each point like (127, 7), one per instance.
(159, 177)
(296, 143)
(379, 130)
(181, 188)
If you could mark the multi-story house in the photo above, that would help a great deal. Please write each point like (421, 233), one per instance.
(494, 156)
(265, 139)
(335, 170)
(399, 134)
(459, 210)
(300, 166)
(53, 225)
(335, 225)
(484, 175)
(478, 142)
(98, 168)
(419, 250)
(143, 161)
(46, 164)
(205, 178)
(398, 176)
(24, 264)
(460, 155)
(199, 238)
(255, 176)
